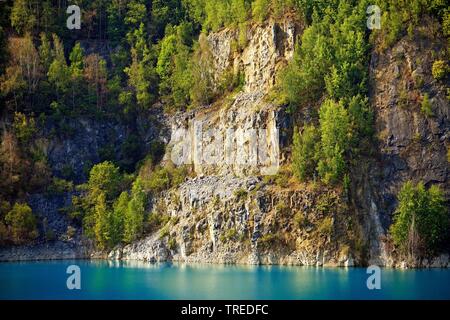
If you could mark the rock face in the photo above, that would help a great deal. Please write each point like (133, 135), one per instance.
(86, 142)
(240, 136)
(243, 139)
(80, 145)
(241, 208)
(227, 219)
(412, 146)
(230, 213)
(267, 48)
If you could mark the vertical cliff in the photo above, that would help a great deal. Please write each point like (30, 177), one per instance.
(233, 212)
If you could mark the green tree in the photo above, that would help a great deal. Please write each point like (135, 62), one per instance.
(303, 79)
(76, 70)
(165, 13)
(105, 177)
(136, 13)
(421, 220)
(116, 11)
(22, 18)
(361, 121)
(118, 217)
(173, 66)
(141, 73)
(260, 9)
(21, 223)
(24, 128)
(99, 221)
(45, 52)
(334, 138)
(202, 89)
(304, 152)
(102, 222)
(135, 213)
(59, 72)
(76, 61)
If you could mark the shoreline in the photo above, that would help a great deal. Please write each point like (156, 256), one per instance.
(42, 253)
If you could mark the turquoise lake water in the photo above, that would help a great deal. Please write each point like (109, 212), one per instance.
(136, 280)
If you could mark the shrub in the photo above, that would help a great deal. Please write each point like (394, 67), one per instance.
(164, 232)
(448, 154)
(24, 128)
(163, 178)
(267, 239)
(230, 234)
(421, 219)
(446, 23)
(300, 219)
(260, 9)
(325, 227)
(50, 235)
(156, 220)
(172, 243)
(282, 209)
(439, 69)
(240, 194)
(425, 106)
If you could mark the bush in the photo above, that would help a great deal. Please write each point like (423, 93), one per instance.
(267, 239)
(50, 235)
(21, 223)
(421, 219)
(24, 128)
(439, 69)
(172, 243)
(240, 194)
(425, 106)
(300, 219)
(164, 232)
(446, 23)
(230, 234)
(157, 220)
(325, 227)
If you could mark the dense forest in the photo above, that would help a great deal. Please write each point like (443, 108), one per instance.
(132, 56)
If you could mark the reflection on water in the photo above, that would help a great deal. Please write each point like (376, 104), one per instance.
(140, 280)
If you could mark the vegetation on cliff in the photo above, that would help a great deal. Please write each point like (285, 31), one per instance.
(132, 55)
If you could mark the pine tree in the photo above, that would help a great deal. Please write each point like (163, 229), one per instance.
(134, 217)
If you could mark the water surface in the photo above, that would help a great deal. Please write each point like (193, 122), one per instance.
(138, 280)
